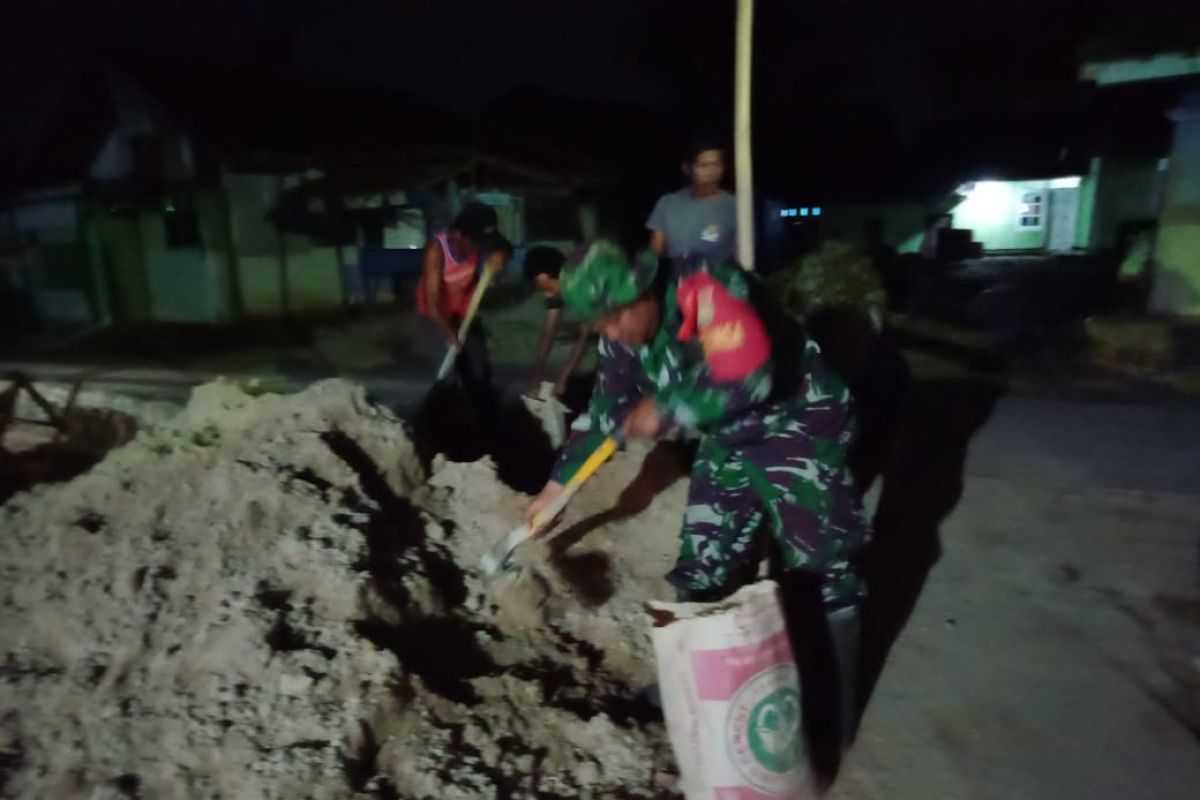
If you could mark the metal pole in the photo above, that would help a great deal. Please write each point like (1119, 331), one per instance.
(744, 164)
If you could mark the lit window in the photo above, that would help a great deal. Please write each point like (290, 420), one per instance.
(1029, 213)
(783, 212)
(804, 212)
(816, 212)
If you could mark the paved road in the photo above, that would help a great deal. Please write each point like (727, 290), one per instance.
(1063, 444)
(1071, 445)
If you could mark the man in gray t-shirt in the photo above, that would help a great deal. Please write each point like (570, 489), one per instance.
(700, 219)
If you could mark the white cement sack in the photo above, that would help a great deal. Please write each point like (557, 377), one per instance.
(731, 697)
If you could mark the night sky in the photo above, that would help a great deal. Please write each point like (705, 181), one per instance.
(847, 93)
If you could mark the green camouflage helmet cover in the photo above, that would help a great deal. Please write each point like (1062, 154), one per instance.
(602, 279)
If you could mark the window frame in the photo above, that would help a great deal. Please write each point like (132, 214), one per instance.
(1039, 205)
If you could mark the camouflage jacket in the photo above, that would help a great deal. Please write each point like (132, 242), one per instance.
(722, 363)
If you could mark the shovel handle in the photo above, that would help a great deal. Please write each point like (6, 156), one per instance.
(447, 362)
(585, 471)
(465, 326)
(476, 297)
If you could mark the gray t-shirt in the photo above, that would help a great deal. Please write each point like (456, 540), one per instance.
(697, 226)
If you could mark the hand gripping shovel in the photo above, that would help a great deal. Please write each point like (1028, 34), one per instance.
(452, 353)
(497, 558)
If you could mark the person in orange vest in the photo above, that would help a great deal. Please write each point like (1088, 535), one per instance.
(450, 272)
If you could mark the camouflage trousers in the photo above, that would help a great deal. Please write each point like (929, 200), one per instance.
(791, 484)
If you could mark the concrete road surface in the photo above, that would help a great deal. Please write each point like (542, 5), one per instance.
(1054, 647)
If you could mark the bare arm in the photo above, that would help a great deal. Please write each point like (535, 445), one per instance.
(658, 243)
(495, 261)
(545, 342)
(573, 359)
(499, 250)
(432, 273)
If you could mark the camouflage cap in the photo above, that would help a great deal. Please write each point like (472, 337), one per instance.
(602, 279)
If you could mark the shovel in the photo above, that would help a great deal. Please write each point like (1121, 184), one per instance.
(549, 412)
(472, 308)
(497, 558)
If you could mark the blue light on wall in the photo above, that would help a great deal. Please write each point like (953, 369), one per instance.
(816, 212)
(804, 212)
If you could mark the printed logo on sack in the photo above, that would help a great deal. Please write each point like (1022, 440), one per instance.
(762, 730)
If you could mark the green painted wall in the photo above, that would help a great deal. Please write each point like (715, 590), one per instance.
(1126, 190)
(120, 252)
(1136, 70)
(187, 284)
(99, 285)
(312, 278)
(152, 280)
(1177, 250)
(313, 282)
(991, 212)
(62, 283)
(1085, 221)
(119, 265)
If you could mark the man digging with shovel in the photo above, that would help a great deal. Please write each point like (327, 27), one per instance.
(449, 276)
(703, 351)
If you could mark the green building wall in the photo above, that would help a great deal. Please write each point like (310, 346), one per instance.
(991, 211)
(1176, 287)
(118, 250)
(187, 284)
(276, 277)
(146, 279)
(1126, 190)
(313, 282)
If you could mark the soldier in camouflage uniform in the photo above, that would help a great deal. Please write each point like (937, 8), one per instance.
(775, 423)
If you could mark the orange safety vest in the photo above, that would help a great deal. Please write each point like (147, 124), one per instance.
(458, 280)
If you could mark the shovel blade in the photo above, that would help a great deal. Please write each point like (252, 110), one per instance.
(551, 415)
(495, 558)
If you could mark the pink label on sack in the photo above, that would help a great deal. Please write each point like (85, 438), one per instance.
(720, 673)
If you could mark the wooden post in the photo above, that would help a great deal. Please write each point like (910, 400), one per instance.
(743, 163)
(285, 304)
(232, 265)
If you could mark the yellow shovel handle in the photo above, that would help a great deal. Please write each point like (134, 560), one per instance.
(585, 471)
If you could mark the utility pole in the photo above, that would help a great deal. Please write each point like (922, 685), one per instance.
(743, 162)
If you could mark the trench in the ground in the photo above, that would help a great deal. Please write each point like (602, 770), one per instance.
(466, 428)
(56, 456)
(444, 649)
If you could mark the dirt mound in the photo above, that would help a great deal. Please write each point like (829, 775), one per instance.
(268, 597)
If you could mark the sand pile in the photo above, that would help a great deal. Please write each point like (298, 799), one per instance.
(268, 597)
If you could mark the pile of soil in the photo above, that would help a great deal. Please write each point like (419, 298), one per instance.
(270, 597)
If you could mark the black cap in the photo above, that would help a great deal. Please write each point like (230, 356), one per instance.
(477, 222)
